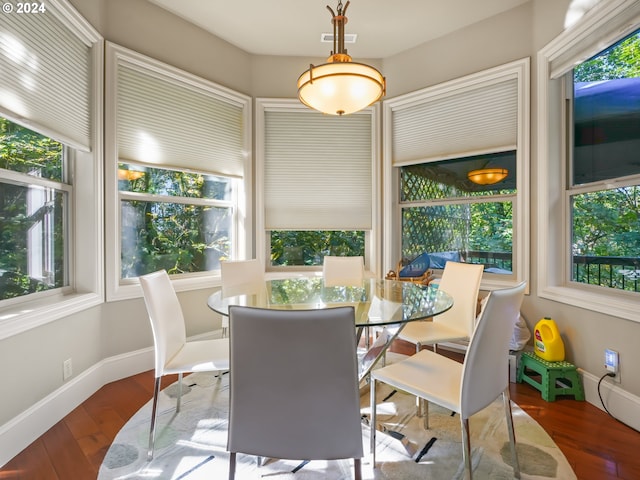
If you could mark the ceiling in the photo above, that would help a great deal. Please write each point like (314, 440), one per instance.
(294, 27)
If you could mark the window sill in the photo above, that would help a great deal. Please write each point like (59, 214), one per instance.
(616, 304)
(27, 315)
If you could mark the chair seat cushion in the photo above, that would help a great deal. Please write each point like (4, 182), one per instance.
(427, 375)
(200, 356)
(428, 332)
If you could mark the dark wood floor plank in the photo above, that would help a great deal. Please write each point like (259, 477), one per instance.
(65, 453)
(32, 463)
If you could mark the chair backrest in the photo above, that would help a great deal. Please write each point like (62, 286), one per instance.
(165, 314)
(485, 373)
(347, 271)
(294, 383)
(242, 277)
(462, 282)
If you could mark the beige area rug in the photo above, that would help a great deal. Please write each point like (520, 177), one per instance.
(192, 444)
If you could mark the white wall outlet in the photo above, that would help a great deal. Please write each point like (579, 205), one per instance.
(67, 369)
(611, 361)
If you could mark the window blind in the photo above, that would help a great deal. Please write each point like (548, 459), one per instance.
(479, 119)
(318, 171)
(46, 75)
(170, 121)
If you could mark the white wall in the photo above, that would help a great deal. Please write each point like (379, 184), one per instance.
(118, 333)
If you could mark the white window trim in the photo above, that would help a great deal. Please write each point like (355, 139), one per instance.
(553, 211)
(121, 289)
(521, 204)
(86, 246)
(373, 239)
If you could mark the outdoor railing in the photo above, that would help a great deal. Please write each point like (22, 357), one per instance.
(622, 273)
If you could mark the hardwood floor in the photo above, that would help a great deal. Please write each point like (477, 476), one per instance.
(597, 446)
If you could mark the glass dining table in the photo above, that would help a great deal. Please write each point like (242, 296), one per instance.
(385, 304)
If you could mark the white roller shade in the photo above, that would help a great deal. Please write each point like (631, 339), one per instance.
(168, 121)
(46, 74)
(317, 171)
(479, 119)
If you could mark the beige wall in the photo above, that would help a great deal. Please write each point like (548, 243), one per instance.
(32, 361)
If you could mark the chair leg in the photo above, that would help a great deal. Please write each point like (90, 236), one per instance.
(423, 410)
(357, 469)
(372, 424)
(466, 447)
(152, 429)
(179, 392)
(512, 433)
(232, 465)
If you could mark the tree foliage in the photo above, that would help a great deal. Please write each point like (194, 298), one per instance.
(27, 152)
(621, 60)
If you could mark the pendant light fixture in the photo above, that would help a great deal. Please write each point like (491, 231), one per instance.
(340, 86)
(487, 176)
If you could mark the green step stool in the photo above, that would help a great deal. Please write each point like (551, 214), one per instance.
(550, 373)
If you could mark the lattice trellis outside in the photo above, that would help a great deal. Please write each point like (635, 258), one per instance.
(431, 228)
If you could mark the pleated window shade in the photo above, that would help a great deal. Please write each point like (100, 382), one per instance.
(163, 121)
(478, 119)
(46, 76)
(318, 171)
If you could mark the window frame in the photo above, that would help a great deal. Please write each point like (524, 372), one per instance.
(85, 244)
(519, 70)
(603, 25)
(28, 181)
(118, 288)
(124, 195)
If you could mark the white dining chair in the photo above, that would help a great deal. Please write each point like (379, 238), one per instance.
(462, 282)
(343, 271)
(240, 277)
(291, 398)
(173, 353)
(468, 387)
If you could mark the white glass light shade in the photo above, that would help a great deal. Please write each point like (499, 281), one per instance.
(340, 88)
(487, 176)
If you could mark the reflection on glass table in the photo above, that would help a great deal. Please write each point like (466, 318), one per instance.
(386, 304)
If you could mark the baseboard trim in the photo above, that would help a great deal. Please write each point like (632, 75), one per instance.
(22, 430)
(622, 405)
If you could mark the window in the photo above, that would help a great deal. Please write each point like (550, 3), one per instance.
(316, 177)
(178, 221)
(34, 200)
(177, 162)
(452, 218)
(435, 138)
(588, 136)
(605, 220)
(51, 169)
(301, 247)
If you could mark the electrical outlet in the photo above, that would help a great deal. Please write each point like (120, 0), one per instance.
(612, 363)
(67, 369)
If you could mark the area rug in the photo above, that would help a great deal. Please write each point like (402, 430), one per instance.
(191, 445)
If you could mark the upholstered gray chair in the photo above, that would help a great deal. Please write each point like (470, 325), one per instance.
(173, 353)
(465, 388)
(291, 398)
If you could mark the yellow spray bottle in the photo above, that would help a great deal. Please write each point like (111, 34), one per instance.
(547, 343)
